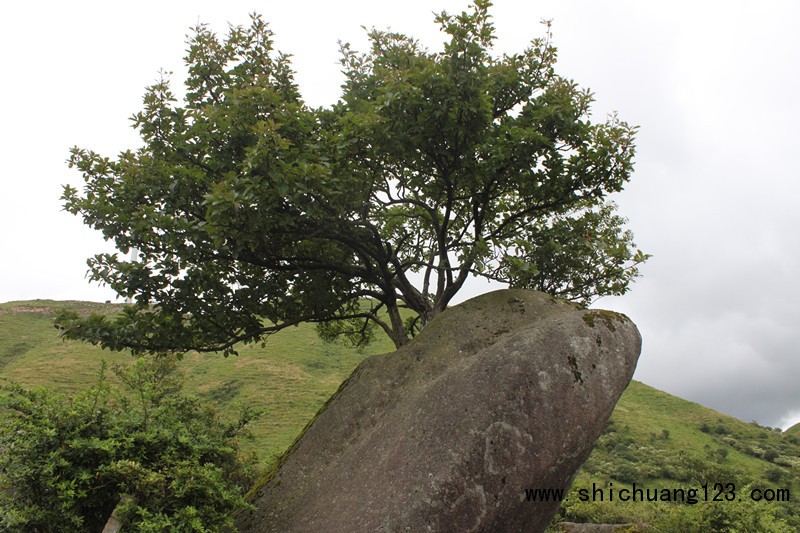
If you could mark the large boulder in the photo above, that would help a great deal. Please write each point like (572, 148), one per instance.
(503, 393)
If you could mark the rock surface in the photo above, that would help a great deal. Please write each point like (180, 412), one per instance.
(503, 393)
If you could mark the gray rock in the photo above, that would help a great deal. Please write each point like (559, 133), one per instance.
(503, 393)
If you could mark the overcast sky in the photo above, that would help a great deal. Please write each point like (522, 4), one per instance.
(713, 86)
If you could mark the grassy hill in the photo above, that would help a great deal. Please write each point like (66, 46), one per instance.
(653, 439)
(658, 441)
(289, 379)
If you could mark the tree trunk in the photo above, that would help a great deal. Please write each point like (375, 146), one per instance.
(399, 335)
(113, 525)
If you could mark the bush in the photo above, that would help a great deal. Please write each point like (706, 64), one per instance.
(722, 429)
(745, 516)
(770, 455)
(774, 475)
(718, 454)
(626, 472)
(156, 459)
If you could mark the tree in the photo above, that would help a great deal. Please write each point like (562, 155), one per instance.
(158, 460)
(252, 212)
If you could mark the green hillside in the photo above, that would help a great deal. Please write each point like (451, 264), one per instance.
(653, 440)
(289, 378)
(658, 441)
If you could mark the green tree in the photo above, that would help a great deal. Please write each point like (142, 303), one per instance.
(252, 212)
(158, 460)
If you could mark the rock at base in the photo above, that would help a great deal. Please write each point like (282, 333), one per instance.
(499, 396)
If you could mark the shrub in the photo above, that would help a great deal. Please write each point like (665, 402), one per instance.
(626, 472)
(158, 460)
(722, 429)
(770, 455)
(774, 475)
(718, 454)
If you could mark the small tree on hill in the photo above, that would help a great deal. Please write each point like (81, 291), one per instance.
(252, 212)
(158, 460)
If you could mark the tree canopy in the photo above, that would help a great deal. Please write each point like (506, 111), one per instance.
(252, 212)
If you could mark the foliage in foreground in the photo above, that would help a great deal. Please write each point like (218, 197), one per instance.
(252, 212)
(158, 460)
